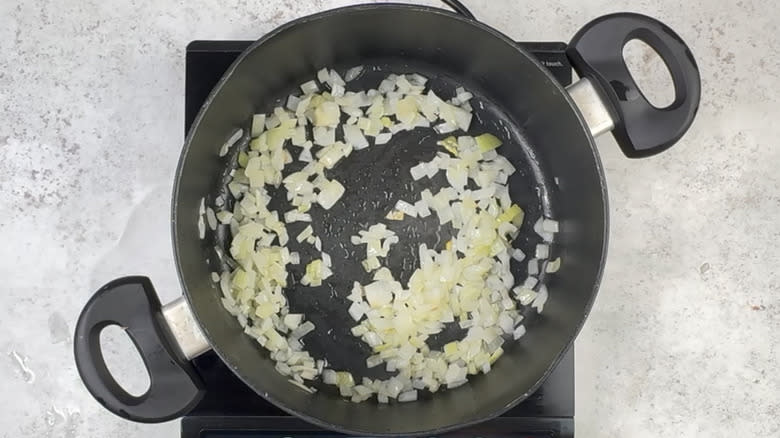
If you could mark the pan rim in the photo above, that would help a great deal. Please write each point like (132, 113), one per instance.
(225, 356)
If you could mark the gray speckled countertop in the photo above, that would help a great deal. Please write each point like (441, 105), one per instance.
(684, 339)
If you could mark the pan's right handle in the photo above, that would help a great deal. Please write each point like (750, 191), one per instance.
(459, 7)
(132, 303)
(641, 129)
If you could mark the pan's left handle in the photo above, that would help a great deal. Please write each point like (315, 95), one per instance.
(132, 303)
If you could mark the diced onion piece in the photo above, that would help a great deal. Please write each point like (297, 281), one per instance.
(201, 227)
(422, 208)
(533, 267)
(310, 87)
(330, 377)
(450, 144)
(353, 73)
(550, 225)
(355, 137)
(323, 76)
(335, 78)
(418, 171)
(541, 299)
(379, 293)
(337, 90)
(525, 296)
(487, 142)
(455, 116)
(357, 310)
(373, 361)
(553, 266)
(296, 216)
(258, 125)
(395, 215)
(330, 193)
(406, 208)
(538, 228)
(542, 251)
(324, 136)
(230, 142)
(211, 218)
(293, 320)
(383, 138)
(327, 114)
(305, 234)
(407, 396)
(371, 264)
(518, 332)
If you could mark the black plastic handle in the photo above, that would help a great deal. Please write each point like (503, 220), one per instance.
(459, 7)
(132, 304)
(641, 129)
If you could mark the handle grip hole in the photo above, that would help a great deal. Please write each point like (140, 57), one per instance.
(123, 361)
(650, 73)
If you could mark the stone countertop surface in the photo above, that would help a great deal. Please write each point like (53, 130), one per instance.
(684, 338)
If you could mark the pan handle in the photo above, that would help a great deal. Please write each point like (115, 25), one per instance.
(641, 129)
(459, 7)
(132, 303)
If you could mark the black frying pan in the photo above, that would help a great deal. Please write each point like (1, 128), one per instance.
(548, 133)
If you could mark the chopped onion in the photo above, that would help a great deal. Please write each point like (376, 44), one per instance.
(211, 218)
(324, 136)
(406, 208)
(550, 226)
(395, 215)
(201, 227)
(373, 361)
(538, 228)
(525, 296)
(296, 216)
(330, 193)
(323, 76)
(337, 90)
(309, 87)
(407, 396)
(467, 278)
(292, 321)
(518, 332)
(327, 114)
(422, 208)
(258, 125)
(353, 73)
(533, 267)
(330, 377)
(354, 136)
(357, 310)
(419, 171)
(553, 266)
(541, 299)
(305, 234)
(383, 138)
(230, 142)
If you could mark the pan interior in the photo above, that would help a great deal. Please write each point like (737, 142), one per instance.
(558, 173)
(375, 179)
